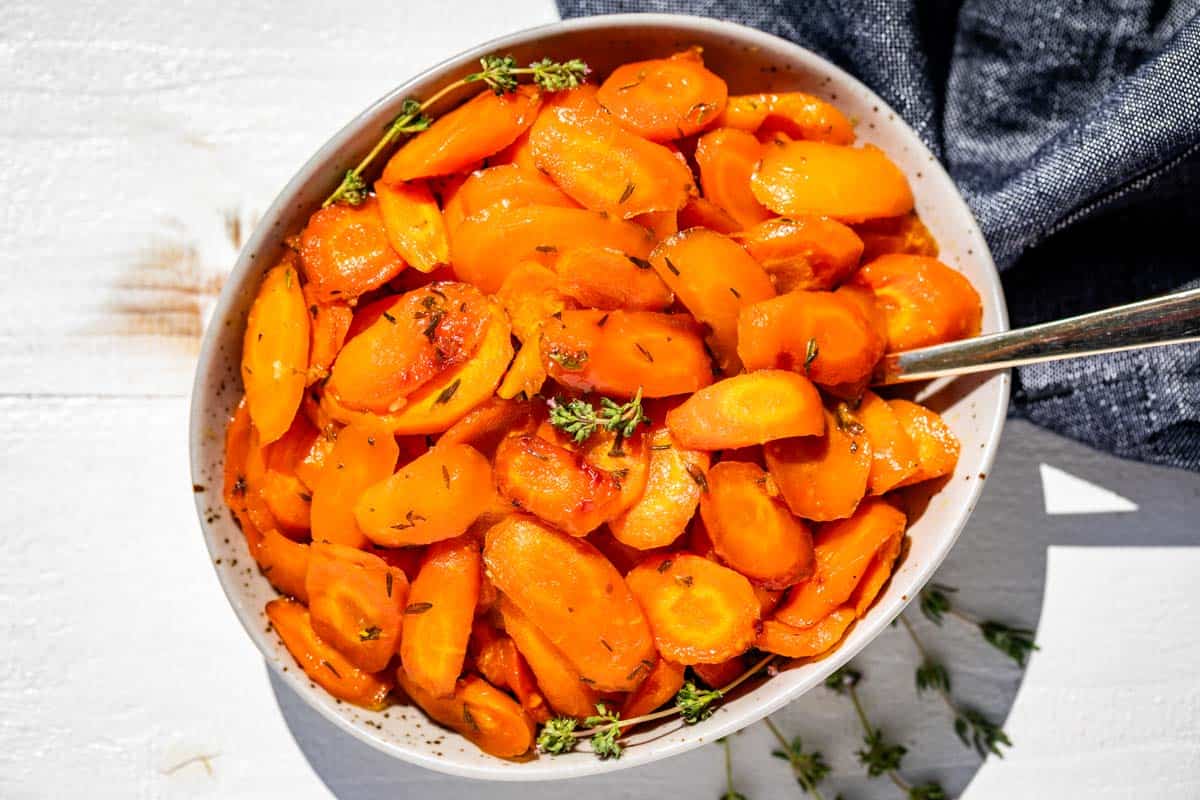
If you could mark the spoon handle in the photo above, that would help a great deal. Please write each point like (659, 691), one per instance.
(1170, 319)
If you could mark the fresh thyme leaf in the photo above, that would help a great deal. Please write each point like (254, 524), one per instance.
(927, 791)
(448, 392)
(932, 675)
(696, 705)
(389, 318)
(1016, 643)
(352, 190)
(435, 319)
(935, 601)
(880, 756)
(646, 353)
(671, 266)
(331, 668)
(735, 292)
(572, 362)
(581, 420)
(604, 740)
(576, 418)
(640, 263)
(369, 634)
(979, 732)
(556, 736)
(417, 608)
(843, 680)
(810, 353)
(389, 584)
(809, 768)
(622, 419)
(556, 76)
(628, 192)
(698, 476)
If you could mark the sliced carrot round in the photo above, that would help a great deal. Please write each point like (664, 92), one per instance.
(557, 678)
(937, 446)
(807, 252)
(903, 234)
(275, 351)
(727, 158)
(894, 456)
(822, 477)
(499, 187)
(784, 640)
(673, 485)
(924, 301)
(479, 711)
(664, 98)
(662, 682)
(356, 600)
(748, 409)
(364, 455)
(346, 252)
(413, 222)
(596, 277)
(700, 212)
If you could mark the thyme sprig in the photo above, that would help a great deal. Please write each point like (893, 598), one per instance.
(1016, 643)
(500, 73)
(808, 767)
(730, 792)
(580, 419)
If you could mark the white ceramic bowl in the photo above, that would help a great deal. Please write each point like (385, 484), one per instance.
(750, 61)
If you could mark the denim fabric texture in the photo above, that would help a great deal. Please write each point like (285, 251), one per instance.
(1072, 127)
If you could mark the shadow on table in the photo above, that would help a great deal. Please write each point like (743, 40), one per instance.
(999, 568)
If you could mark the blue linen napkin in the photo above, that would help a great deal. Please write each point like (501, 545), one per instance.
(1072, 128)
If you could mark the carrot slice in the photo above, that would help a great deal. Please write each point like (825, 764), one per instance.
(363, 455)
(714, 278)
(626, 460)
(286, 496)
(519, 153)
(843, 550)
(235, 485)
(719, 675)
(601, 165)
(850, 184)
(904, 234)
(255, 471)
(345, 251)
(330, 323)
(748, 409)
(552, 483)
(937, 446)
(876, 575)
(807, 252)
(894, 456)
(484, 426)
(751, 530)
(768, 599)
(597, 277)
(795, 114)
(413, 223)
(284, 562)
(664, 98)
(924, 301)
(438, 617)
(485, 124)
(700, 611)
(487, 247)
(726, 158)
(479, 711)
(785, 640)
(501, 664)
(821, 334)
(701, 212)
(275, 351)
(673, 484)
(422, 333)
(504, 186)
(663, 681)
(355, 600)
(618, 352)
(575, 597)
(557, 679)
(823, 477)
(660, 223)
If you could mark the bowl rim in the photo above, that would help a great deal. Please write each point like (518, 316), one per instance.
(319, 163)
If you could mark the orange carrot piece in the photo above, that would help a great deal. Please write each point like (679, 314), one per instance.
(937, 446)
(876, 575)
(673, 484)
(843, 550)
(904, 234)
(284, 562)
(571, 592)
(662, 682)
(484, 426)
(235, 484)
(485, 124)
(850, 184)
(894, 456)
(597, 277)
(727, 158)
(664, 98)
(504, 186)
(714, 278)
(823, 477)
(519, 153)
(345, 251)
(701, 212)
(795, 114)
(321, 662)
(286, 496)
(413, 223)
(751, 530)
(275, 351)
(820, 638)
(924, 301)
(748, 409)
(330, 323)
(698, 541)
(255, 470)
(483, 714)
(501, 664)
(807, 252)
(363, 455)
(617, 352)
(626, 460)
(557, 680)
(624, 557)
(700, 611)
(719, 675)
(660, 223)
(529, 294)
(439, 614)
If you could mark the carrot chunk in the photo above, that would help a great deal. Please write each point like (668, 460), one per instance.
(822, 477)
(364, 455)
(748, 409)
(284, 562)
(785, 640)
(876, 575)
(924, 301)
(662, 682)
(807, 252)
(937, 446)
(275, 351)
(673, 484)
(345, 251)
(486, 425)
(700, 611)
(328, 328)
(557, 679)
(661, 224)
(701, 212)
(664, 98)
(894, 456)
(501, 664)
(727, 158)
(286, 496)
(795, 114)
(479, 711)
(596, 277)
(505, 186)
(413, 223)
(904, 234)
(236, 490)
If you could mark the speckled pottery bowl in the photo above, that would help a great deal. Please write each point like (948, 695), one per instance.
(750, 61)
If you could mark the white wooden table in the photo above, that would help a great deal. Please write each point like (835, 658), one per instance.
(139, 140)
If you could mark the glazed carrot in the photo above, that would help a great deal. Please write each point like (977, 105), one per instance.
(486, 248)
(823, 477)
(748, 409)
(596, 277)
(322, 663)
(808, 252)
(937, 446)
(768, 599)
(894, 456)
(504, 186)
(785, 640)
(484, 125)
(718, 675)
(345, 251)
(501, 664)
(413, 223)
(662, 682)
(701, 212)
(622, 556)
(698, 541)
(726, 158)
(363, 455)
(557, 680)
(438, 617)
(235, 485)
(850, 184)
(625, 459)
(904, 234)
(713, 278)
(529, 294)
(480, 712)
(823, 335)
(664, 98)
(700, 611)
(795, 114)
(601, 165)
(751, 530)
(575, 597)
(286, 496)
(876, 575)
(616, 353)
(422, 333)
(484, 426)
(519, 153)
(552, 483)
(924, 301)
(751, 454)
(435, 497)
(660, 223)
(843, 550)
(355, 600)
(673, 484)
(275, 351)
(284, 562)
(329, 325)
(254, 470)
(405, 559)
